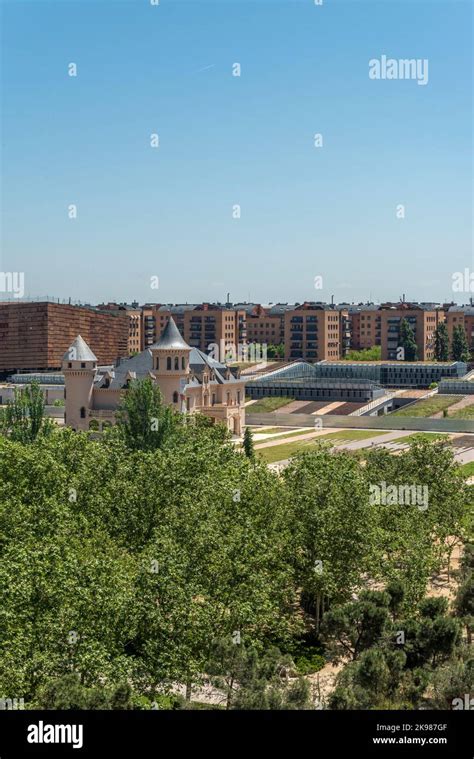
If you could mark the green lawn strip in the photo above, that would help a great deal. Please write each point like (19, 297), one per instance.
(468, 469)
(463, 413)
(286, 450)
(428, 406)
(295, 433)
(351, 435)
(266, 405)
(421, 436)
(272, 430)
(281, 452)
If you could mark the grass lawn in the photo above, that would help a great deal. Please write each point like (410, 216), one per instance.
(265, 405)
(468, 469)
(463, 413)
(351, 435)
(284, 434)
(270, 430)
(428, 406)
(282, 452)
(420, 436)
(286, 450)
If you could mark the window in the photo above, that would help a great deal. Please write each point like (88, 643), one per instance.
(83, 365)
(168, 363)
(183, 363)
(70, 365)
(83, 412)
(175, 397)
(157, 363)
(187, 404)
(176, 363)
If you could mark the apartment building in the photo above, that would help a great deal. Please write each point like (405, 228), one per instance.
(134, 330)
(365, 326)
(264, 323)
(422, 317)
(464, 316)
(210, 323)
(34, 336)
(134, 316)
(313, 332)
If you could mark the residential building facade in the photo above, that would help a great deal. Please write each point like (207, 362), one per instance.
(461, 316)
(313, 332)
(423, 319)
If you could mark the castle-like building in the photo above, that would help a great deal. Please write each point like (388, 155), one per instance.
(189, 380)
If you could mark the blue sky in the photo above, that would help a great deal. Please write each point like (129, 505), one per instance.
(225, 140)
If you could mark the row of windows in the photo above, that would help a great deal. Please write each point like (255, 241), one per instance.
(170, 363)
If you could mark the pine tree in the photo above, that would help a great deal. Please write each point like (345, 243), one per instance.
(441, 347)
(407, 341)
(459, 346)
(248, 444)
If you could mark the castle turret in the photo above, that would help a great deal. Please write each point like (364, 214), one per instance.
(79, 368)
(171, 364)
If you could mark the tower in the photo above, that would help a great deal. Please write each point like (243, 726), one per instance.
(79, 368)
(171, 364)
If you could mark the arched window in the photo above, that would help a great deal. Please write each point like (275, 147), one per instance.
(157, 363)
(176, 363)
(183, 362)
(168, 363)
(175, 397)
(83, 412)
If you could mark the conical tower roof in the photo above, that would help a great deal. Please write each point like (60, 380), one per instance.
(79, 351)
(171, 338)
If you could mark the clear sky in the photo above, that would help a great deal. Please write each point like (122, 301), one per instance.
(224, 140)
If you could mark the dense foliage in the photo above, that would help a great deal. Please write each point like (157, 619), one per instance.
(134, 563)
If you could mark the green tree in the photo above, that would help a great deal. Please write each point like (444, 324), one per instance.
(356, 626)
(24, 418)
(459, 346)
(451, 681)
(415, 541)
(407, 341)
(276, 351)
(441, 346)
(144, 420)
(248, 444)
(464, 602)
(68, 692)
(332, 526)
